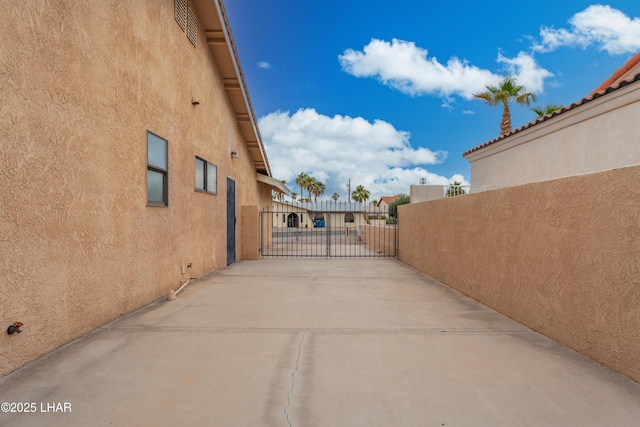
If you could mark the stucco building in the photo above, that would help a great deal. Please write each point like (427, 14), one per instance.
(385, 201)
(131, 162)
(595, 134)
(304, 215)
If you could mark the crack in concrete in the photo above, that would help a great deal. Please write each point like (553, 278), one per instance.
(293, 378)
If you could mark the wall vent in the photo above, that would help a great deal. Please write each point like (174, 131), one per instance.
(192, 27)
(181, 13)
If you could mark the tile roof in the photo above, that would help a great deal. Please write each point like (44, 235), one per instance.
(620, 73)
(613, 83)
(387, 199)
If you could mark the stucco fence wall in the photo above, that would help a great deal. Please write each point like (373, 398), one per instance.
(562, 257)
(382, 238)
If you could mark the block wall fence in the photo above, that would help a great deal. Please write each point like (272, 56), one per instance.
(561, 257)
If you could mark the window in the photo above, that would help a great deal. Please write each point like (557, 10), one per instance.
(157, 171)
(206, 176)
(349, 217)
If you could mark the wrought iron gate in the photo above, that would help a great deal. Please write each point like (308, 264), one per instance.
(327, 230)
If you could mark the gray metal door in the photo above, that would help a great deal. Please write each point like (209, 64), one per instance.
(231, 221)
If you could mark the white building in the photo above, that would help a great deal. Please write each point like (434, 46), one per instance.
(598, 133)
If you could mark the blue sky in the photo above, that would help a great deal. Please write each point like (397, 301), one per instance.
(380, 92)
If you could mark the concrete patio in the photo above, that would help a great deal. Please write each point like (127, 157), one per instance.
(298, 342)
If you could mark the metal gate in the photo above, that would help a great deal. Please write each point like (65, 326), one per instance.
(327, 230)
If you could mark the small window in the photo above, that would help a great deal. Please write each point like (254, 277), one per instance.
(349, 217)
(206, 176)
(157, 171)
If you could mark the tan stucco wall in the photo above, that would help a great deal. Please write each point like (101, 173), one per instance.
(80, 85)
(423, 193)
(382, 238)
(250, 238)
(596, 136)
(561, 257)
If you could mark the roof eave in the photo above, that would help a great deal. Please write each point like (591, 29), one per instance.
(276, 185)
(213, 17)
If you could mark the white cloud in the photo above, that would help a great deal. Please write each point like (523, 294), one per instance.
(448, 102)
(468, 112)
(526, 71)
(334, 149)
(607, 28)
(407, 67)
(265, 65)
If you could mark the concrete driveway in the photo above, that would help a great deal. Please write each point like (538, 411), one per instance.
(291, 342)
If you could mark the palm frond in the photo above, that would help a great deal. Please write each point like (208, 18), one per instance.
(547, 109)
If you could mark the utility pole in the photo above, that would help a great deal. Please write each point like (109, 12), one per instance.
(349, 191)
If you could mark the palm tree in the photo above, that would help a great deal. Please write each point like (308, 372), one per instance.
(294, 195)
(301, 180)
(507, 91)
(335, 197)
(360, 194)
(317, 189)
(309, 185)
(455, 189)
(547, 109)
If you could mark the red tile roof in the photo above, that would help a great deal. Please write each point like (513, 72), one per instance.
(387, 199)
(616, 77)
(621, 78)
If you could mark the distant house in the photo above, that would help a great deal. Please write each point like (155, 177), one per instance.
(131, 162)
(306, 215)
(598, 133)
(385, 201)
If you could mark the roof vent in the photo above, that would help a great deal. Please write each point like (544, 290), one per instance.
(181, 13)
(192, 27)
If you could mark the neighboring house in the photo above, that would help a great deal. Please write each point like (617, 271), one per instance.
(384, 202)
(598, 133)
(304, 215)
(131, 162)
(290, 215)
